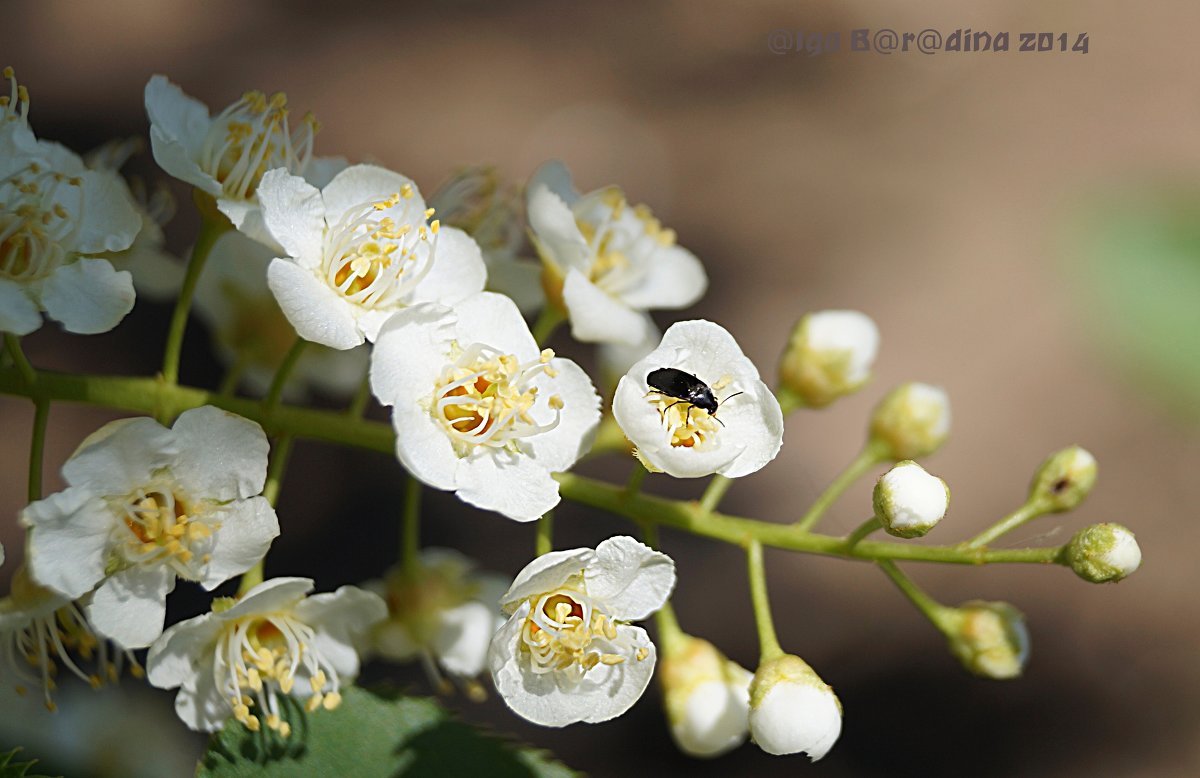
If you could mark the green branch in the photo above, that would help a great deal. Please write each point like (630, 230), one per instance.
(211, 228)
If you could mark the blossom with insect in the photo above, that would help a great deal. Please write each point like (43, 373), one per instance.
(274, 640)
(675, 436)
(146, 505)
(360, 250)
(478, 408)
(567, 653)
(57, 222)
(606, 262)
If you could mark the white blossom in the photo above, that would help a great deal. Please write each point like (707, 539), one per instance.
(225, 156)
(909, 501)
(274, 640)
(476, 201)
(250, 332)
(684, 440)
(566, 654)
(911, 421)
(443, 613)
(608, 261)
(360, 250)
(478, 409)
(146, 504)
(792, 710)
(57, 218)
(707, 698)
(829, 355)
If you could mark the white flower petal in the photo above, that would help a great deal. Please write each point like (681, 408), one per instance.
(120, 456)
(294, 214)
(596, 317)
(560, 448)
(424, 449)
(555, 176)
(675, 279)
(131, 605)
(199, 705)
(109, 221)
(247, 529)
(340, 619)
(494, 319)
(461, 642)
(508, 483)
(317, 312)
(172, 660)
(222, 456)
(178, 125)
(275, 594)
(70, 531)
(630, 578)
(88, 296)
(545, 574)
(554, 229)
(458, 270)
(359, 185)
(18, 314)
(795, 717)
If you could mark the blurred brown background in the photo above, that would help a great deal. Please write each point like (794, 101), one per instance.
(928, 191)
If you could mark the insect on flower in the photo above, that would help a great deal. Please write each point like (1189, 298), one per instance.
(686, 388)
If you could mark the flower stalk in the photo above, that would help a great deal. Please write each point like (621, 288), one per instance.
(871, 455)
(768, 643)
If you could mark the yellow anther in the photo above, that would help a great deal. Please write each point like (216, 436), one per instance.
(318, 681)
(613, 659)
(94, 681)
(254, 680)
(435, 226)
(314, 702)
(286, 683)
(331, 701)
(9, 73)
(430, 212)
(406, 191)
(285, 729)
(556, 402)
(273, 721)
(642, 653)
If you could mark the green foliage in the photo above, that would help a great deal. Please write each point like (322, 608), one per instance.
(1139, 274)
(369, 736)
(11, 769)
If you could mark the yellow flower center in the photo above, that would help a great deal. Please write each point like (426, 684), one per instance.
(486, 398)
(372, 260)
(159, 530)
(35, 222)
(688, 425)
(261, 654)
(565, 633)
(252, 136)
(612, 242)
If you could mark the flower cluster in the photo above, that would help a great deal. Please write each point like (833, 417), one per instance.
(316, 274)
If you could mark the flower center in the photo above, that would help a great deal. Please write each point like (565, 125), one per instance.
(260, 654)
(251, 137)
(485, 398)
(689, 426)
(14, 106)
(373, 261)
(565, 633)
(31, 651)
(620, 246)
(159, 530)
(35, 222)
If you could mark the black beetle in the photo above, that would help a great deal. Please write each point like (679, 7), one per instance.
(686, 388)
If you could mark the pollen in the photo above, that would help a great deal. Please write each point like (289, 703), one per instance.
(686, 425)
(567, 634)
(161, 531)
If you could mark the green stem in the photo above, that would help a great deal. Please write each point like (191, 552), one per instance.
(547, 321)
(1027, 512)
(279, 459)
(410, 537)
(281, 375)
(544, 542)
(714, 492)
(870, 456)
(670, 635)
(637, 477)
(37, 445)
(12, 344)
(933, 610)
(210, 229)
(864, 529)
(768, 643)
(358, 406)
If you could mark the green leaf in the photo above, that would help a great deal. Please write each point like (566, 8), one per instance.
(1138, 273)
(368, 736)
(11, 769)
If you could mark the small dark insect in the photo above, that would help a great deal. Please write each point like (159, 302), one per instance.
(686, 388)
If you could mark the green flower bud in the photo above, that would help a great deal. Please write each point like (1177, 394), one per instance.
(989, 638)
(1103, 553)
(912, 421)
(909, 501)
(1064, 480)
(829, 355)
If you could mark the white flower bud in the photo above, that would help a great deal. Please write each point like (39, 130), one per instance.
(706, 696)
(792, 709)
(989, 638)
(909, 501)
(829, 355)
(1064, 479)
(1104, 552)
(912, 421)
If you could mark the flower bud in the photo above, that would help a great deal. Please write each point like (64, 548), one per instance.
(829, 355)
(707, 698)
(912, 421)
(1064, 480)
(909, 501)
(1104, 552)
(792, 709)
(989, 638)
